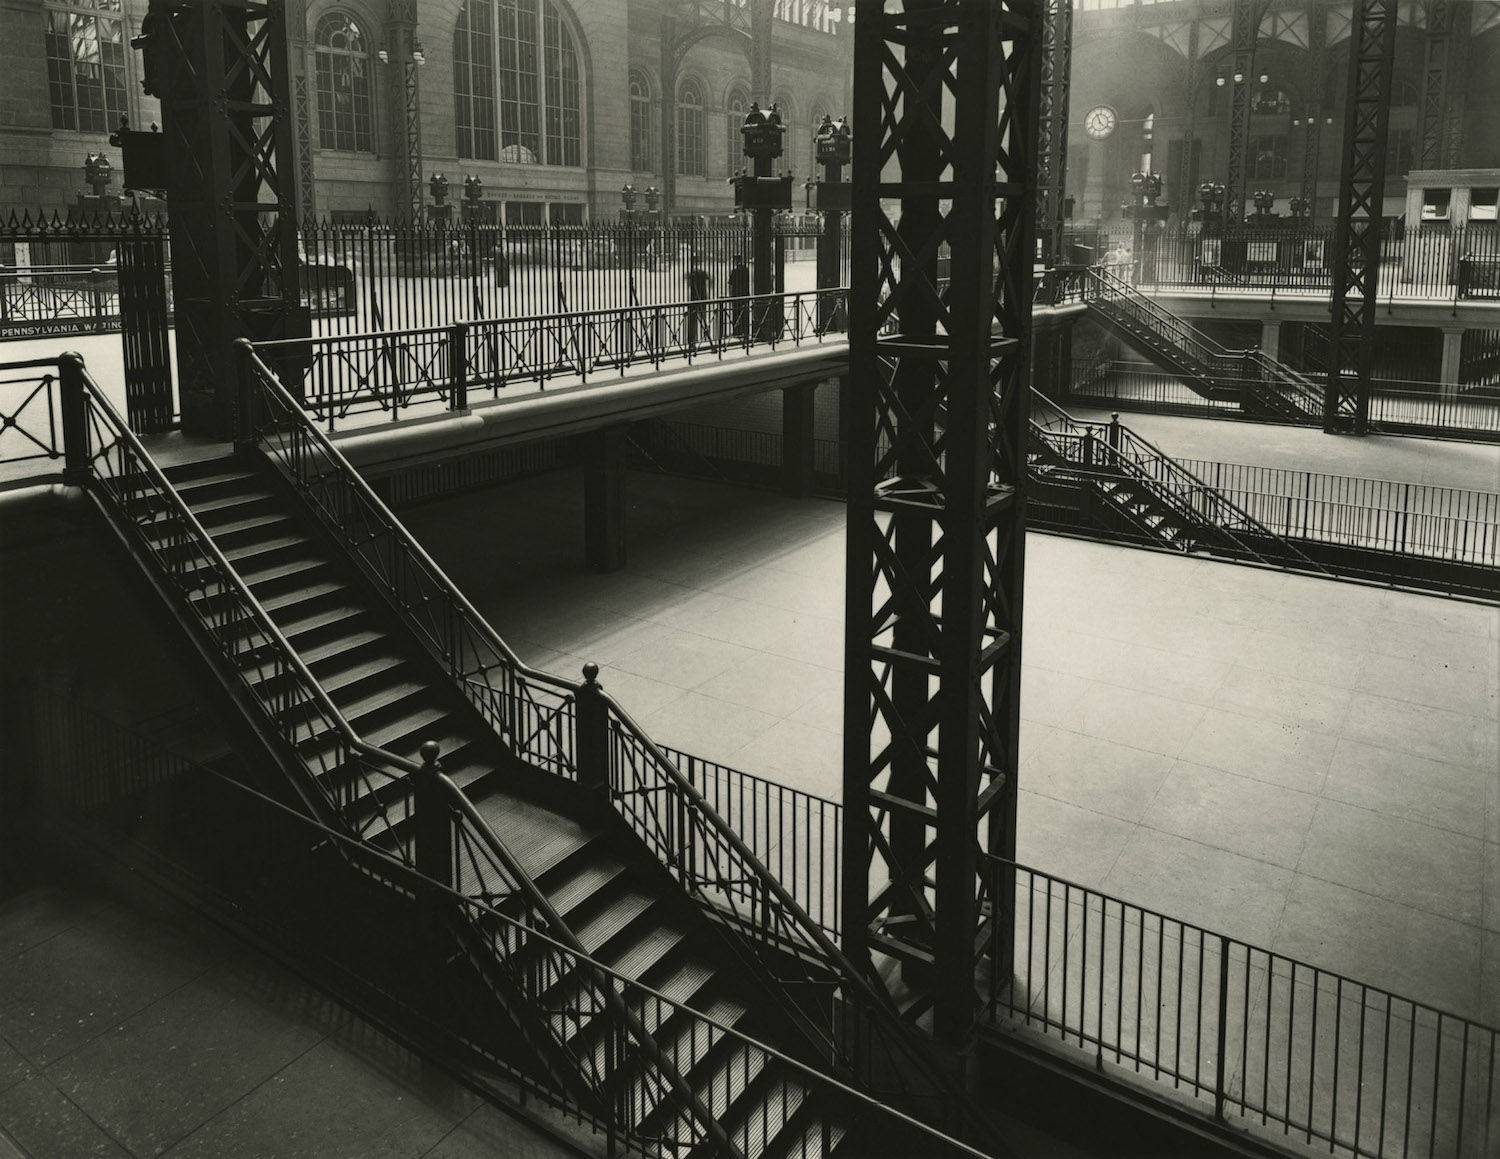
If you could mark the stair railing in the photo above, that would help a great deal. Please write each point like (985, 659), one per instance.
(537, 715)
(268, 679)
(289, 708)
(1199, 504)
(1248, 366)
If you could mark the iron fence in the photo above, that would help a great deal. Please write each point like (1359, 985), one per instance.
(1265, 1040)
(1404, 518)
(379, 275)
(1426, 262)
(1395, 404)
(358, 378)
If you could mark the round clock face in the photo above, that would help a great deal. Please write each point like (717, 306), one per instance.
(1099, 122)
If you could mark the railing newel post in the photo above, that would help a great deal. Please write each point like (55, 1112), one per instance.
(458, 366)
(76, 455)
(1223, 1028)
(432, 828)
(593, 732)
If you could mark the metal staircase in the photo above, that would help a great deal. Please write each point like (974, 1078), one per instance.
(655, 974)
(1261, 385)
(1106, 476)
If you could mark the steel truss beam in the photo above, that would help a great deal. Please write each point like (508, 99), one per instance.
(1245, 32)
(1317, 54)
(221, 73)
(1052, 121)
(1356, 239)
(946, 94)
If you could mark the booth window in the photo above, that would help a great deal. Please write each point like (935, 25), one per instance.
(1435, 204)
(1483, 203)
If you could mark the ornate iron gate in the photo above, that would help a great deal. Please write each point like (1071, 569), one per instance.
(142, 270)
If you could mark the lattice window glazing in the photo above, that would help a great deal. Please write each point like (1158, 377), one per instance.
(641, 122)
(343, 68)
(517, 59)
(86, 65)
(1267, 157)
(474, 80)
(690, 150)
(739, 102)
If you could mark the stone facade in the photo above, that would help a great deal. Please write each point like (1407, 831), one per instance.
(812, 64)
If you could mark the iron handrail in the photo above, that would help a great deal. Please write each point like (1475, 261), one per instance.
(143, 774)
(230, 577)
(876, 1002)
(520, 881)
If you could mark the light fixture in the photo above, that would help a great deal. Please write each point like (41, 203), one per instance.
(383, 56)
(1217, 80)
(416, 53)
(1239, 78)
(1265, 78)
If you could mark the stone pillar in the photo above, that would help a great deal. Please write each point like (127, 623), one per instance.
(797, 419)
(1453, 342)
(604, 499)
(1270, 338)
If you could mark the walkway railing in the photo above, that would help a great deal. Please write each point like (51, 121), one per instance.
(1428, 261)
(1403, 518)
(40, 300)
(1264, 1041)
(1418, 408)
(30, 411)
(389, 374)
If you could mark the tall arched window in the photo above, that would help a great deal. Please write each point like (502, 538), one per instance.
(690, 151)
(517, 83)
(791, 138)
(738, 103)
(343, 66)
(641, 122)
(86, 64)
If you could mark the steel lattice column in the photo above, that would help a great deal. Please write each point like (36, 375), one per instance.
(406, 125)
(1317, 53)
(946, 95)
(221, 73)
(1052, 122)
(1356, 240)
(1443, 82)
(1246, 31)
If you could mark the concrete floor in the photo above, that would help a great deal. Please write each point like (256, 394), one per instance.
(128, 1030)
(1310, 766)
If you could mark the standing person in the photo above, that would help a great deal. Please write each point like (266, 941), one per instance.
(697, 315)
(739, 287)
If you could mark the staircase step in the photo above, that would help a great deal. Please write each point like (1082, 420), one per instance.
(810, 1135)
(772, 1108)
(245, 554)
(614, 913)
(573, 883)
(538, 838)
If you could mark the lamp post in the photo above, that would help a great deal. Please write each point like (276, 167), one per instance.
(1146, 187)
(473, 191)
(763, 195)
(439, 212)
(96, 172)
(1263, 200)
(830, 197)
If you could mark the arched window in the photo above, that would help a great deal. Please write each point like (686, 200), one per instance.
(343, 66)
(641, 122)
(690, 151)
(517, 83)
(791, 139)
(736, 106)
(86, 64)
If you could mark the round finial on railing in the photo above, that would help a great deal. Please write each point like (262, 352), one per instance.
(430, 750)
(590, 671)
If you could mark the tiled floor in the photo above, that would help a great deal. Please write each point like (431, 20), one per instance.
(1311, 766)
(128, 1032)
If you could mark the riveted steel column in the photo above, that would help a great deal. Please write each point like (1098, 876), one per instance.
(1356, 240)
(1246, 31)
(1317, 58)
(1052, 126)
(947, 93)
